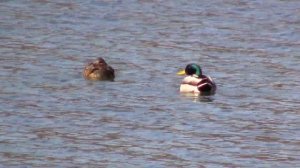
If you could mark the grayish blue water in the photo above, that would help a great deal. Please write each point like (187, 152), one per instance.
(52, 117)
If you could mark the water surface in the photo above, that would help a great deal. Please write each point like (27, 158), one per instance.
(52, 117)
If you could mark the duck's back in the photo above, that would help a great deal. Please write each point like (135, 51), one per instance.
(198, 85)
(99, 70)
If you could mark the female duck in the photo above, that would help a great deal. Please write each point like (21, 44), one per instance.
(196, 82)
(98, 70)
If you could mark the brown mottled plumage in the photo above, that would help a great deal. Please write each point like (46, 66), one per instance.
(98, 70)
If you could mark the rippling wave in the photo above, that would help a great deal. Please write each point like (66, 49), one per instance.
(52, 117)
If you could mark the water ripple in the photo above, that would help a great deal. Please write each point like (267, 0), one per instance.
(52, 117)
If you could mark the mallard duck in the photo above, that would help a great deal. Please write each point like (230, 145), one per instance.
(98, 70)
(195, 81)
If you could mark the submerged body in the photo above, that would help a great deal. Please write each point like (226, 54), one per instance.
(98, 70)
(194, 84)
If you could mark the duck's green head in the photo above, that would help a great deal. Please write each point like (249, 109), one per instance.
(193, 69)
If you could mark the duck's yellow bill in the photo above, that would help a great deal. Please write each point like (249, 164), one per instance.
(181, 72)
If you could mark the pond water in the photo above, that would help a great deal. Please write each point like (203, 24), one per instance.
(52, 117)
